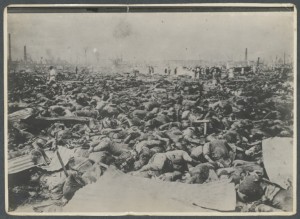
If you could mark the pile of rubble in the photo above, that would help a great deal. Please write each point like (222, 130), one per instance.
(64, 135)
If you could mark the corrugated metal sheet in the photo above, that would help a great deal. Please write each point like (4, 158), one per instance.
(117, 192)
(19, 164)
(278, 155)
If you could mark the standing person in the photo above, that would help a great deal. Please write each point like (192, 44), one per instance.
(52, 75)
(76, 73)
(169, 70)
(195, 74)
(216, 76)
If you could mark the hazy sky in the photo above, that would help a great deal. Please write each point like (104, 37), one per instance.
(152, 36)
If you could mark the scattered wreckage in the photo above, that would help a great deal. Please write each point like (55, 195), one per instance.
(65, 138)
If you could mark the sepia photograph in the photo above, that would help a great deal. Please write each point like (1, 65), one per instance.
(183, 109)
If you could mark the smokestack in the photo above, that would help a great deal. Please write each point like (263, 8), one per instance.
(25, 54)
(246, 56)
(283, 58)
(9, 48)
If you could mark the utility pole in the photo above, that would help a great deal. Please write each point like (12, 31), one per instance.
(257, 65)
(25, 54)
(246, 56)
(85, 51)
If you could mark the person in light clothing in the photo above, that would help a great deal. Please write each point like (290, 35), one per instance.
(52, 75)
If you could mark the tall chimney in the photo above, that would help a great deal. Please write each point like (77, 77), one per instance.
(283, 58)
(25, 54)
(246, 56)
(9, 48)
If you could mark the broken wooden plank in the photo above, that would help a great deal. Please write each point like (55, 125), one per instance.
(202, 121)
(20, 115)
(71, 81)
(78, 119)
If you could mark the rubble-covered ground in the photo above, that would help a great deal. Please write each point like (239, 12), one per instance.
(162, 127)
